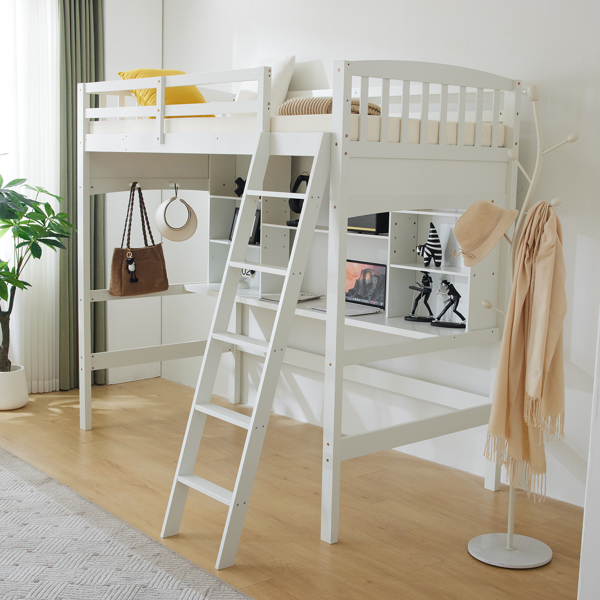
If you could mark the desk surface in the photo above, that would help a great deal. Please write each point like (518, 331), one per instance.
(376, 322)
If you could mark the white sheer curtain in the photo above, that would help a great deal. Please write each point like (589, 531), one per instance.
(29, 134)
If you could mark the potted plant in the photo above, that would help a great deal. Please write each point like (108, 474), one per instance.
(33, 224)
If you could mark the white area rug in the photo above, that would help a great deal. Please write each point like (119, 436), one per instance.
(57, 545)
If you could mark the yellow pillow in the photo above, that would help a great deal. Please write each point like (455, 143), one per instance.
(186, 94)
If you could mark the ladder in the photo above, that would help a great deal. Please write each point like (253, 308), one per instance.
(220, 340)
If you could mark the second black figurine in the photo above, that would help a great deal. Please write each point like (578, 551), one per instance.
(453, 300)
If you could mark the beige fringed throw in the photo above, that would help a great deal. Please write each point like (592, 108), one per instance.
(529, 396)
(319, 106)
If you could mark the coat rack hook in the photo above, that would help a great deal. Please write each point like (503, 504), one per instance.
(571, 138)
(512, 155)
(487, 304)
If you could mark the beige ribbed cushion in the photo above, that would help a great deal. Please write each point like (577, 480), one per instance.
(319, 106)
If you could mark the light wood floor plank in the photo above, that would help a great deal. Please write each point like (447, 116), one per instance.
(405, 522)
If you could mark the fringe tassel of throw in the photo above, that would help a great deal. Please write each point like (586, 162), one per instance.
(551, 427)
(518, 471)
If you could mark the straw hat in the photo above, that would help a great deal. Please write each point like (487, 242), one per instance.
(480, 228)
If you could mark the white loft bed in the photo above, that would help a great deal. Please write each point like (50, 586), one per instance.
(411, 172)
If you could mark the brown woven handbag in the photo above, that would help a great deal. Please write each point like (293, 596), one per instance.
(137, 271)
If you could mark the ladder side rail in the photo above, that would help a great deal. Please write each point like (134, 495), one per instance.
(274, 357)
(212, 355)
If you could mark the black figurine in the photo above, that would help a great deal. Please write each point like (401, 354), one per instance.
(453, 300)
(424, 288)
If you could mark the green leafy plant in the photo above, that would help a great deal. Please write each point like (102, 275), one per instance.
(33, 224)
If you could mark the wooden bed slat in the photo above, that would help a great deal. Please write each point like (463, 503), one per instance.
(443, 116)
(424, 114)
(405, 112)
(478, 118)
(462, 105)
(385, 110)
(495, 117)
(364, 109)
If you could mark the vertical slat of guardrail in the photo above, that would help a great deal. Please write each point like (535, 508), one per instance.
(443, 116)
(462, 105)
(160, 109)
(364, 109)
(495, 117)
(122, 97)
(478, 118)
(424, 113)
(263, 113)
(385, 110)
(102, 104)
(404, 125)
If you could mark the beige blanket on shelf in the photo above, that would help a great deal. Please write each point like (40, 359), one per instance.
(529, 396)
(319, 106)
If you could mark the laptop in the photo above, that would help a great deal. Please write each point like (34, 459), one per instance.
(365, 288)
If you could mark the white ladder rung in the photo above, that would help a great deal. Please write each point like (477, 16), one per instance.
(208, 488)
(260, 267)
(276, 194)
(242, 340)
(224, 414)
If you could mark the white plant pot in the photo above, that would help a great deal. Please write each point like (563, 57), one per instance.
(13, 388)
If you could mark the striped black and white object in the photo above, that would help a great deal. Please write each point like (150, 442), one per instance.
(432, 248)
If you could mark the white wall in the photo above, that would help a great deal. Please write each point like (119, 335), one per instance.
(550, 43)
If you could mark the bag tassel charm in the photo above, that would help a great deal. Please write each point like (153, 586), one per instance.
(131, 268)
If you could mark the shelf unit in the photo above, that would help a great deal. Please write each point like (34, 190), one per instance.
(274, 248)
(397, 250)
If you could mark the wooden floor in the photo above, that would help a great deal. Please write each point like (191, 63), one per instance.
(405, 522)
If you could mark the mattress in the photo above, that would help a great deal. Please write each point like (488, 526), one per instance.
(301, 123)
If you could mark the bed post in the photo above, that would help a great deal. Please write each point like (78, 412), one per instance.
(511, 122)
(83, 263)
(334, 337)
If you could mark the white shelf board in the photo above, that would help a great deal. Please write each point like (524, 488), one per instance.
(444, 270)
(377, 322)
(228, 242)
(321, 229)
(432, 213)
(276, 226)
(214, 197)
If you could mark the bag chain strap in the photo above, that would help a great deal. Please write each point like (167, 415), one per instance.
(129, 218)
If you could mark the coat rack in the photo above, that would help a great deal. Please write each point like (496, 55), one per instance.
(508, 550)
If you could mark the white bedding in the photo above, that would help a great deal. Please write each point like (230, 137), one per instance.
(298, 124)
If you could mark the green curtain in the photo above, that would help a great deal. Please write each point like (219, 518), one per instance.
(81, 61)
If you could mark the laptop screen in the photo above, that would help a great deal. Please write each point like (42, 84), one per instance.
(365, 283)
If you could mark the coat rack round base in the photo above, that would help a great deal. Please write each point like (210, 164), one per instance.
(527, 553)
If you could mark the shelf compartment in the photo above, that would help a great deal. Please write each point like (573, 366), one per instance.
(446, 270)
(322, 229)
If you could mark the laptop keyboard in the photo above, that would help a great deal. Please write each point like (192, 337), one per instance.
(351, 309)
